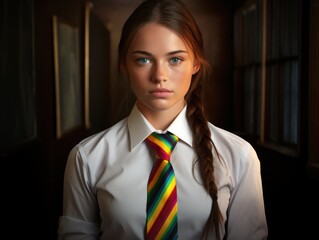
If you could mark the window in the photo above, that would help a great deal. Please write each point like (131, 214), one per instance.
(248, 53)
(267, 73)
(17, 91)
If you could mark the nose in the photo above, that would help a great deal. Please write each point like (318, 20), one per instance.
(159, 73)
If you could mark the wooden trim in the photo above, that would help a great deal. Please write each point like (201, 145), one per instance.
(56, 74)
(87, 65)
(263, 71)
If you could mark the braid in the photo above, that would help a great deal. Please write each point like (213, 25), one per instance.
(203, 147)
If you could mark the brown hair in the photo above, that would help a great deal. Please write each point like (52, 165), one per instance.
(174, 15)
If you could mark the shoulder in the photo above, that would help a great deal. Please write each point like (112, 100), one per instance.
(101, 142)
(91, 156)
(228, 139)
(236, 153)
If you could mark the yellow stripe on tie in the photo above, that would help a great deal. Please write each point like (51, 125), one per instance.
(167, 223)
(161, 204)
(157, 174)
(160, 143)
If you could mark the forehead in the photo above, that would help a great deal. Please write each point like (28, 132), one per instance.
(156, 36)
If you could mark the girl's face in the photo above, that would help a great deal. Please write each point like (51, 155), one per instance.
(160, 68)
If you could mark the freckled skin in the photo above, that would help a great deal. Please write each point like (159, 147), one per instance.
(160, 68)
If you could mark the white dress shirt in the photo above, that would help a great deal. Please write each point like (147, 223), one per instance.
(105, 185)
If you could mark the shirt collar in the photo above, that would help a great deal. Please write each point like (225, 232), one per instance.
(139, 128)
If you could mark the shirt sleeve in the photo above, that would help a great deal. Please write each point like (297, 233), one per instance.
(72, 228)
(80, 211)
(246, 213)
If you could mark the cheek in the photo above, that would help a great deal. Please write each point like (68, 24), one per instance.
(138, 79)
(136, 75)
(184, 79)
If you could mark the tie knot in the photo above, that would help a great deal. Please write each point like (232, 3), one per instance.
(162, 144)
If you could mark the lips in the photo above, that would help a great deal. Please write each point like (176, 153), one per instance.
(160, 92)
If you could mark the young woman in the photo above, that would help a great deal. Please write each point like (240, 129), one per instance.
(218, 181)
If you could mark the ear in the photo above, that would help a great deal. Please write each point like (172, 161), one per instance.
(123, 68)
(196, 67)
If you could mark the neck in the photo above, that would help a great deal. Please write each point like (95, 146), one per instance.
(160, 119)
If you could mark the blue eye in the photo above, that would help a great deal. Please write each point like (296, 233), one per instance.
(142, 61)
(175, 60)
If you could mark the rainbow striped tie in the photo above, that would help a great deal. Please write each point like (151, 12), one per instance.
(161, 190)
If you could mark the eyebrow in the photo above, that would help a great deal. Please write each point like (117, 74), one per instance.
(168, 54)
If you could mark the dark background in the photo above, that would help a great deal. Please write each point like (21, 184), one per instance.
(33, 161)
